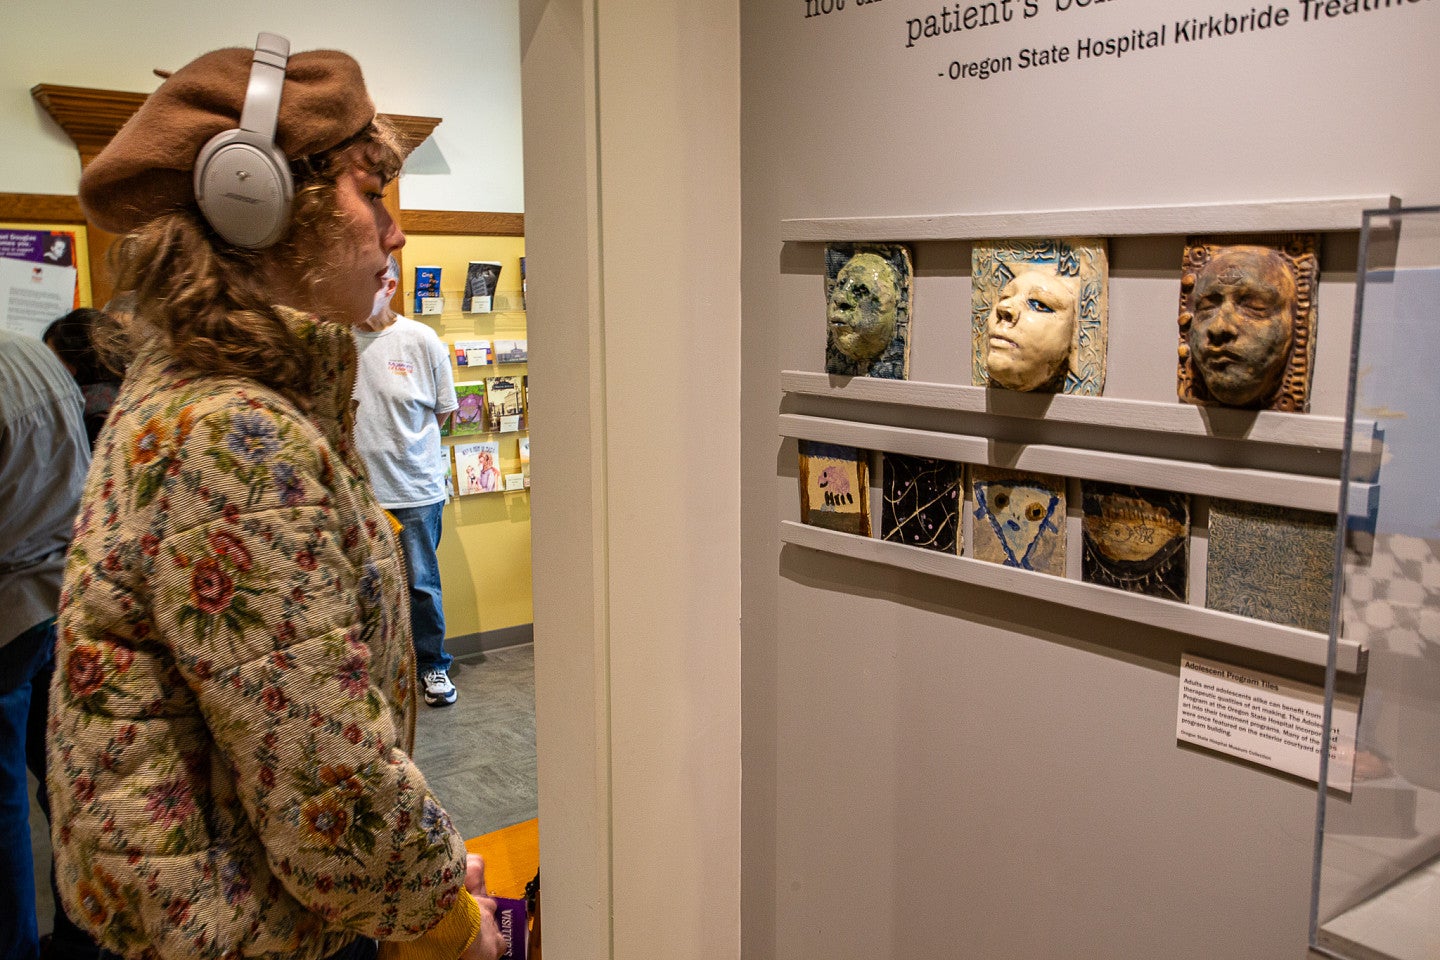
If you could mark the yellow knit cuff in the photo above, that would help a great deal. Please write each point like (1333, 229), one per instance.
(446, 940)
(395, 525)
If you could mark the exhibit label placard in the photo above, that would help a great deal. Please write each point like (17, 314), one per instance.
(1265, 719)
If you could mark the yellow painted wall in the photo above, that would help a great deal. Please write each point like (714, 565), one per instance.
(485, 546)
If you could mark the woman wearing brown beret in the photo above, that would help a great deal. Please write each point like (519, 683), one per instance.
(234, 694)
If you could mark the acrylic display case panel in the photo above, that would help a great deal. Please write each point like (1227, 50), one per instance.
(1377, 889)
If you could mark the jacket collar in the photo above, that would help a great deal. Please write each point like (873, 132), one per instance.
(331, 395)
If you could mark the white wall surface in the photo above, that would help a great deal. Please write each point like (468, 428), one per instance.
(454, 59)
(1332, 107)
(633, 238)
(937, 770)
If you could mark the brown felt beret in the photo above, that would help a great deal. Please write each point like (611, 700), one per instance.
(147, 169)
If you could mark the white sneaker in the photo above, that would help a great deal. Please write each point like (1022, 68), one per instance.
(439, 691)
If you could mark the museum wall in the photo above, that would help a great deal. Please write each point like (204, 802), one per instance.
(937, 769)
(454, 59)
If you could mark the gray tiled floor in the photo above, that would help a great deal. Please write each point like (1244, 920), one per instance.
(478, 754)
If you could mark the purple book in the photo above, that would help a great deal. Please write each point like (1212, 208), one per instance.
(510, 915)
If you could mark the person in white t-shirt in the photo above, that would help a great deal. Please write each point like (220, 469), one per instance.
(405, 391)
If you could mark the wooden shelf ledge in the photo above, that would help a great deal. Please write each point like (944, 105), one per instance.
(1292, 643)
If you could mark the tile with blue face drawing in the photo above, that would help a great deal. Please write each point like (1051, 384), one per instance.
(1019, 519)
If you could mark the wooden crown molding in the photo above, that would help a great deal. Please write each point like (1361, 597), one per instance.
(469, 222)
(40, 208)
(413, 130)
(91, 117)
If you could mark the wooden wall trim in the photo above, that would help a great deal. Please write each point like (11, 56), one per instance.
(40, 208)
(463, 222)
(59, 208)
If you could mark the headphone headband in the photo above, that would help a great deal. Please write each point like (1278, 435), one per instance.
(261, 112)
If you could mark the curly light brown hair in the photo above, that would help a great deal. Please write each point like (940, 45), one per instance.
(210, 300)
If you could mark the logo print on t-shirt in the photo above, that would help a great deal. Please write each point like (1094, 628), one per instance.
(401, 368)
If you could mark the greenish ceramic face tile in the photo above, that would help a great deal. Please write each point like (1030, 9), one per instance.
(1019, 519)
(1271, 563)
(922, 503)
(867, 310)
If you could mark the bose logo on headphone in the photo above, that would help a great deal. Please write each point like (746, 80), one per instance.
(242, 180)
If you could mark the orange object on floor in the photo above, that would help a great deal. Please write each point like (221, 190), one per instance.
(512, 856)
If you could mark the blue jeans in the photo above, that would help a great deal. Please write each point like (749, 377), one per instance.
(419, 539)
(25, 667)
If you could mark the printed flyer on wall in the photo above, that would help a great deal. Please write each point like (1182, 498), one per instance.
(38, 279)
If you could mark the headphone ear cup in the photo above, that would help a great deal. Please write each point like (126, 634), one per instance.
(244, 188)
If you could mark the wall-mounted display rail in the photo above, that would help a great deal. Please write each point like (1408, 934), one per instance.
(1336, 213)
(1180, 419)
(1304, 646)
(1207, 514)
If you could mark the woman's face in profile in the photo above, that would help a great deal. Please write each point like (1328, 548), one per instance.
(1031, 330)
(355, 271)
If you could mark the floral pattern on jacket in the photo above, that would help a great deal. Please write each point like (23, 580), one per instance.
(233, 702)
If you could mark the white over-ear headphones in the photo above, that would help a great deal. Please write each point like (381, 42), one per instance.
(242, 180)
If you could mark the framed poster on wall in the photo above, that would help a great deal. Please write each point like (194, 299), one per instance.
(39, 280)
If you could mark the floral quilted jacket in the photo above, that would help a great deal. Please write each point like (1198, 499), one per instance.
(233, 701)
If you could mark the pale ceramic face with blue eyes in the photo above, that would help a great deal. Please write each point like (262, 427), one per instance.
(1032, 328)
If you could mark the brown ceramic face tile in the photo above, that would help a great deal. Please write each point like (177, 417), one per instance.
(1247, 321)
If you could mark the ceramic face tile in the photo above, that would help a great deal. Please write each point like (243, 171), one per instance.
(1039, 315)
(867, 310)
(1247, 321)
